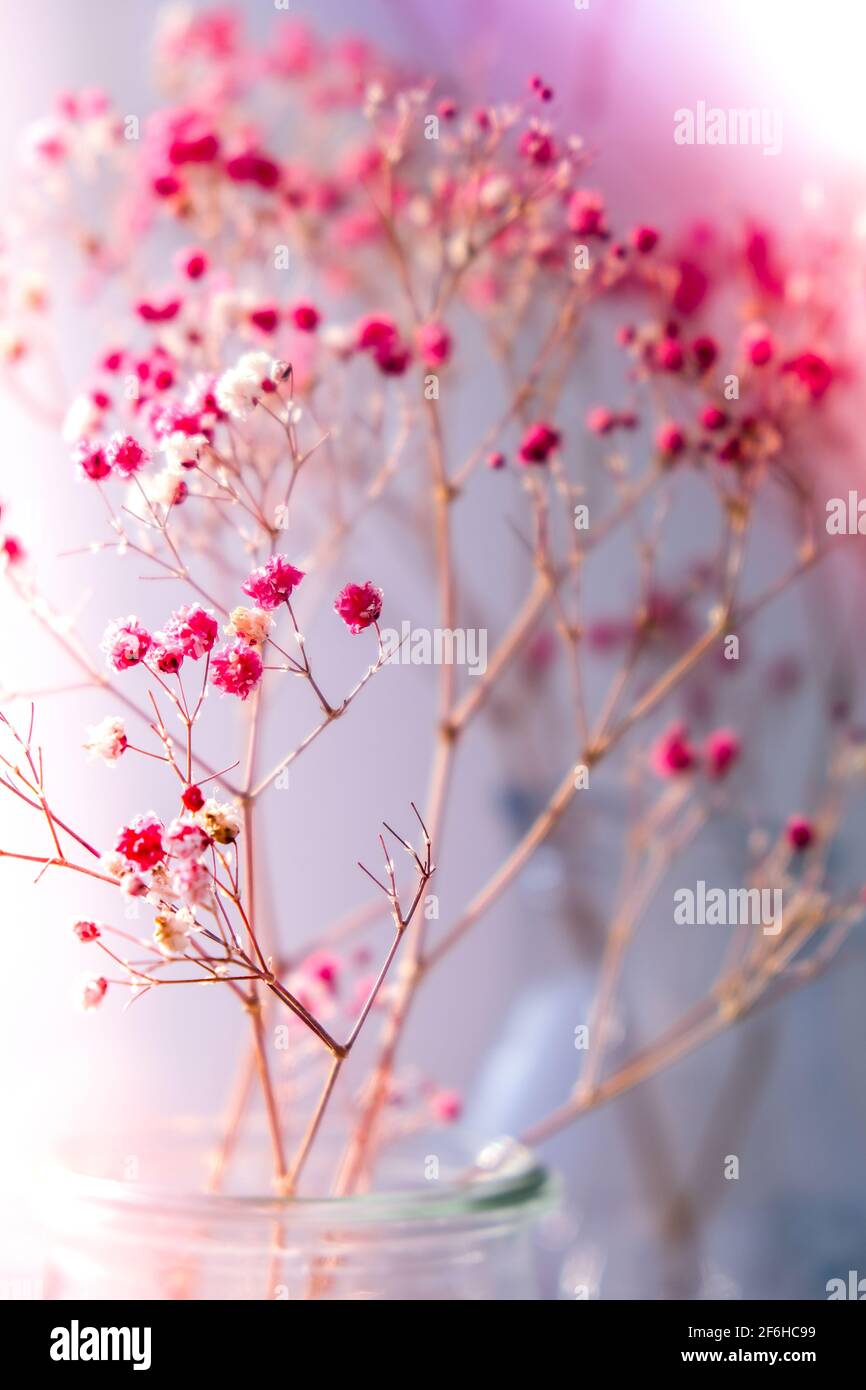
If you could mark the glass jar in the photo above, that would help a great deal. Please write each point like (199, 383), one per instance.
(445, 1238)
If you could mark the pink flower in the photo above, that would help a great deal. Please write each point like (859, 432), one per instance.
(446, 1106)
(253, 167)
(812, 372)
(86, 931)
(673, 754)
(165, 654)
(166, 185)
(731, 450)
(712, 418)
(644, 239)
(126, 643)
(538, 443)
(200, 149)
(193, 263)
(90, 460)
(378, 334)
(322, 965)
(93, 992)
(191, 882)
(705, 351)
(149, 312)
(496, 460)
(799, 832)
(270, 585)
(236, 668)
(434, 344)
(375, 331)
(586, 213)
(670, 439)
(140, 842)
(266, 318)
(13, 550)
(760, 257)
(185, 839)
(125, 455)
(721, 751)
(359, 605)
(538, 85)
(133, 885)
(192, 798)
(692, 287)
(537, 146)
(194, 629)
(757, 344)
(600, 420)
(392, 358)
(669, 354)
(306, 318)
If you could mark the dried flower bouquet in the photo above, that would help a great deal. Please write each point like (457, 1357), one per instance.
(238, 434)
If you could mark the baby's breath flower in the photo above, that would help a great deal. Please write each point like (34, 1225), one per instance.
(107, 740)
(252, 624)
(170, 934)
(241, 387)
(114, 864)
(83, 418)
(221, 821)
(93, 992)
(182, 450)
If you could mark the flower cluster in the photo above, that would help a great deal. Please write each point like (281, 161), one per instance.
(674, 753)
(234, 425)
(271, 585)
(168, 863)
(189, 633)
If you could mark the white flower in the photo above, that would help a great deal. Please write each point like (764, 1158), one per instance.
(170, 933)
(494, 193)
(221, 821)
(159, 879)
(339, 338)
(225, 311)
(83, 418)
(162, 488)
(114, 864)
(181, 449)
(252, 624)
(198, 390)
(239, 389)
(133, 885)
(106, 740)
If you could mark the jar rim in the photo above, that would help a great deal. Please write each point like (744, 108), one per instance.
(521, 1186)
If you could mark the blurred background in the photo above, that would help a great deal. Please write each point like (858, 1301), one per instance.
(786, 1091)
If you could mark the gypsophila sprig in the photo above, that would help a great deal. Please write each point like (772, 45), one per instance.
(241, 429)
